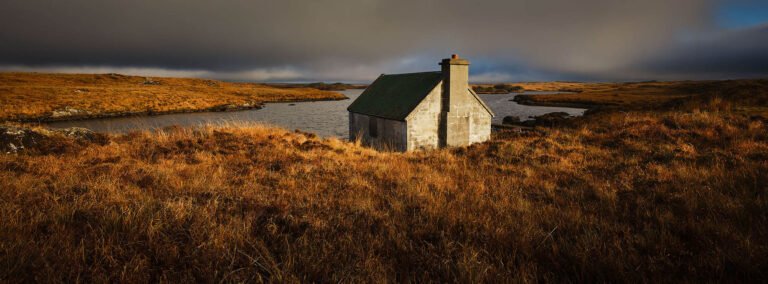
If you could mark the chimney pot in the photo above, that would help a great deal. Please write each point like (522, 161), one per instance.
(454, 56)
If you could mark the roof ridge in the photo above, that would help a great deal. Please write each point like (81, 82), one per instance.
(411, 73)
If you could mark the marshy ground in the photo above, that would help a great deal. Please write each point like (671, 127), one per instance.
(653, 192)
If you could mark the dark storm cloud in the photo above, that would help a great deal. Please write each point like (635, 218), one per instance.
(725, 54)
(343, 39)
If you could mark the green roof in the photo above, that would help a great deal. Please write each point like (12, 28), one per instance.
(395, 96)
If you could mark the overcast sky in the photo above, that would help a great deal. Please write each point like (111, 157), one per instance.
(356, 40)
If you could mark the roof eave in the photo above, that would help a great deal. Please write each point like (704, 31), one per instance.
(477, 97)
(376, 116)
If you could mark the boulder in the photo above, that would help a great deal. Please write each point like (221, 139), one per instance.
(78, 133)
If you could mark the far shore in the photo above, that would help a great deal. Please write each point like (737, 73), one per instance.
(35, 97)
(525, 100)
(220, 108)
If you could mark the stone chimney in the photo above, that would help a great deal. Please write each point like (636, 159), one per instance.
(455, 80)
(453, 129)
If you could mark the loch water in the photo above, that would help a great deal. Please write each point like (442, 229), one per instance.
(324, 118)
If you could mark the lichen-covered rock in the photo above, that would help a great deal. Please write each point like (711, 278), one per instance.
(15, 139)
(249, 104)
(77, 133)
(68, 112)
(149, 81)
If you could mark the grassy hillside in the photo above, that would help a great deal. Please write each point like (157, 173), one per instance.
(747, 93)
(33, 97)
(615, 196)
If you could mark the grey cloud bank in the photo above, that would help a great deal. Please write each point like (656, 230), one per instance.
(357, 40)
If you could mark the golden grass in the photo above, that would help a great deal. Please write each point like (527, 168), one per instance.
(646, 95)
(667, 190)
(638, 196)
(32, 96)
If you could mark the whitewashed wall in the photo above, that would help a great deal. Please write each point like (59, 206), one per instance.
(479, 123)
(423, 122)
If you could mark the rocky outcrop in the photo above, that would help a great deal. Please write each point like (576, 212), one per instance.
(15, 139)
(149, 81)
(68, 112)
(78, 133)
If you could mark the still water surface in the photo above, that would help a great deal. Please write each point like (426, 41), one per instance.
(325, 118)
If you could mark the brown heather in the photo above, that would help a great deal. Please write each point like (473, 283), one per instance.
(645, 95)
(33, 96)
(637, 196)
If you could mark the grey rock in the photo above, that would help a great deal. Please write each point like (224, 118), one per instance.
(77, 133)
(68, 112)
(14, 139)
(149, 81)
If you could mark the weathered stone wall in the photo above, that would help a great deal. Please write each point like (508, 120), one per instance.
(391, 133)
(479, 123)
(468, 122)
(423, 122)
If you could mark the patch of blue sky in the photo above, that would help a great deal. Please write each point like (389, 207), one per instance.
(742, 13)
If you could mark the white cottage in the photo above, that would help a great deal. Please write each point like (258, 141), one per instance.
(426, 110)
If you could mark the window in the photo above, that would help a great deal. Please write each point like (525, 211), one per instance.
(373, 127)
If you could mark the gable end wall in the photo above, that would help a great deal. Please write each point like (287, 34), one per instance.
(423, 122)
(479, 123)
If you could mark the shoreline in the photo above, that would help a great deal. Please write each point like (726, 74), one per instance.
(220, 108)
(530, 102)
